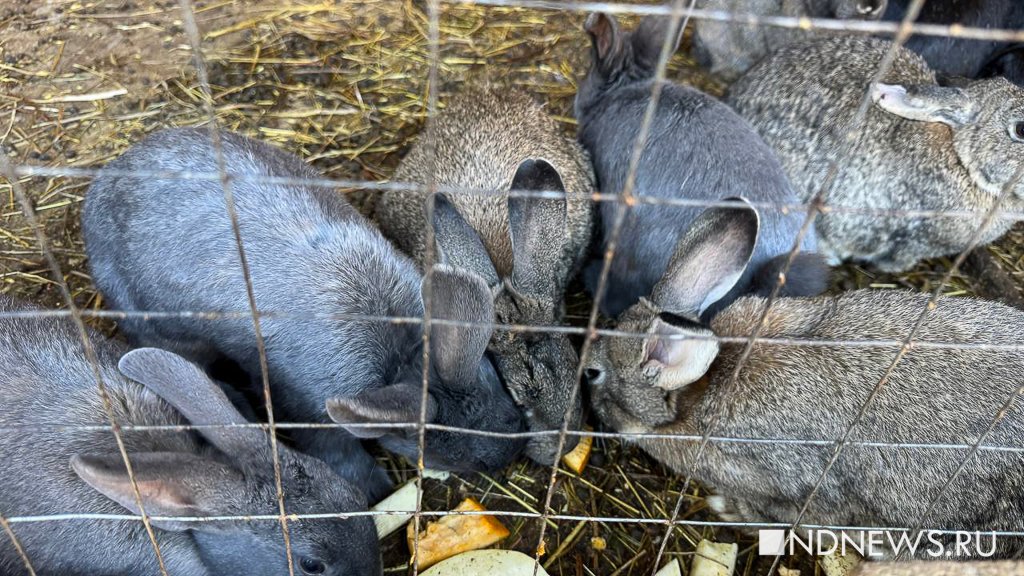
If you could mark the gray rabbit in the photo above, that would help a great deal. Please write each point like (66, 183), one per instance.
(527, 248)
(968, 57)
(167, 245)
(729, 49)
(45, 380)
(697, 149)
(921, 147)
(791, 392)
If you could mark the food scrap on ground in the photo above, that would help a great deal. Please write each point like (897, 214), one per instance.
(488, 563)
(454, 534)
(714, 559)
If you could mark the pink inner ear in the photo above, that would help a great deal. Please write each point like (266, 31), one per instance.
(889, 91)
(667, 352)
(601, 29)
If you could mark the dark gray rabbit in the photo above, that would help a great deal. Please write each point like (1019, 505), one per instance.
(167, 245)
(922, 147)
(697, 149)
(527, 248)
(729, 49)
(792, 392)
(966, 57)
(45, 380)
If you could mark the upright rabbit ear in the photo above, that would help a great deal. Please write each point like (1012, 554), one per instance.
(458, 244)
(537, 226)
(649, 38)
(200, 400)
(948, 105)
(606, 39)
(395, 404)
(460, 296)
(171, 484)
(709, 260)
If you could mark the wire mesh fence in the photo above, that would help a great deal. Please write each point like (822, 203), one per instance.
(540, 510)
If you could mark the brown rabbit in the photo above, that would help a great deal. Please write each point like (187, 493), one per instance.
(679, 385)
(528, 248)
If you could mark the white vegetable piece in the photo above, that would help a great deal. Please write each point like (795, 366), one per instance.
(401, 500)
(714, 559)
(836, 564)
(671, 569)
(487, 563)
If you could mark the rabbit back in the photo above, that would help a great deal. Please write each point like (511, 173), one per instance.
(699, 149)
(480, 138)
(933, 396)
(803, 100)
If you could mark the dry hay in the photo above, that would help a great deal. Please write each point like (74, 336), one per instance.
(343, 84)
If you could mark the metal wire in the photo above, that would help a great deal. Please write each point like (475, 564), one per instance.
(906, 445)
(677, 25)
(199, 62)
(497, 513)
(680, 15)
(29, 170)
(913, 11)
(524, 328)
(90, 354)
(740, 17)
(430, 144)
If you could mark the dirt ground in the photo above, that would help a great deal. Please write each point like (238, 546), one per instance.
(342, 84)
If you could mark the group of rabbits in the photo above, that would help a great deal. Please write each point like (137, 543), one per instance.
(492, 250)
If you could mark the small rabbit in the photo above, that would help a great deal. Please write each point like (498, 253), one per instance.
(167, 245)
(45, 380)
(729, 49)
(527, 248)
(697, 149)
(921, 147)
(790, 392)
(967, 57)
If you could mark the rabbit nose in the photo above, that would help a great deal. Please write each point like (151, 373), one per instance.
(868, 7)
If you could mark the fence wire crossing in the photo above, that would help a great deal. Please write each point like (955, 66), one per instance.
(681, 13)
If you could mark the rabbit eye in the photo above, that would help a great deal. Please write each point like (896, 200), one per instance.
(594, 376)
(1017, 131)
(312, 566)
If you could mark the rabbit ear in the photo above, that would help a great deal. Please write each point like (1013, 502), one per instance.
(606, 39)
(681, 350)
(171, 484)
(709, 260)
(649, 38)
(537, 225)
(457, 242)
(395, 404)
(948, 105)
(201, 401)
(455, 351)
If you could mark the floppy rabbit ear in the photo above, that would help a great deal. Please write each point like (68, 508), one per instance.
(680, 350)
(395, 404)
(649, 38)
(709, 260)
(458, 295)
(536, 224)
(192, 393)
(606, 39)
(948, 105)
(171, 484)
(458, 244)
